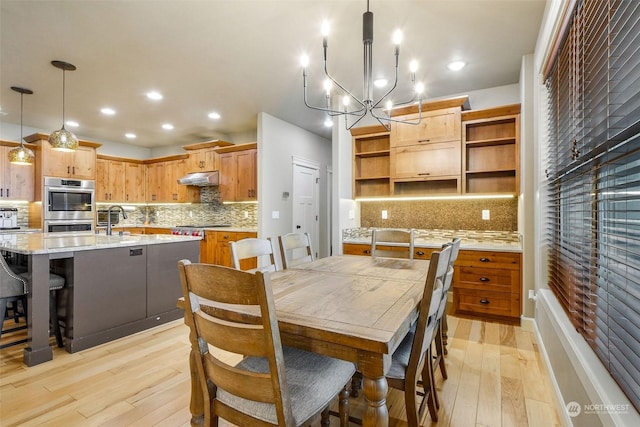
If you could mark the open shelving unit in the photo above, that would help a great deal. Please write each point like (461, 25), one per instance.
(371, 162)
(491, 151)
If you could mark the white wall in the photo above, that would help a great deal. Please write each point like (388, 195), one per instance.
(278, 143)
(492, 97)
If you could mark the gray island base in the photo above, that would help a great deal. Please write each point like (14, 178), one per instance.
(115, 286)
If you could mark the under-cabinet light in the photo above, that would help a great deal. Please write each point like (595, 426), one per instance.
(416, 198)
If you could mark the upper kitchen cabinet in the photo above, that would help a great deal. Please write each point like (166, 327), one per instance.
(162, 181)
(203, 156)
(78, 164)
(491, 150)
(425, 157)
(238, 172)
(16, 181)
(120, 180)
(371, 148)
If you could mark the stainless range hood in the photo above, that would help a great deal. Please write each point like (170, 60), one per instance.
(201, 179)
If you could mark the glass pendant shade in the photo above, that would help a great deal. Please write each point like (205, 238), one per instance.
(63, 140)
(21, 155)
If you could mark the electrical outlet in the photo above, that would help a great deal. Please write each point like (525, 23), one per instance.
(275, 214)
(246, 214)
(385, 215)
(352, 214)
(486, 214)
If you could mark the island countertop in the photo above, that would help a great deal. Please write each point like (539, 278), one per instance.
(43, 243)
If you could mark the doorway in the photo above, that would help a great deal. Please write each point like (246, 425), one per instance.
(306, 211)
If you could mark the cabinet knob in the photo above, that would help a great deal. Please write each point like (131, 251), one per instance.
(484, 279)
(367, 252)
(485, 260)
(419, 253)
(484, 301)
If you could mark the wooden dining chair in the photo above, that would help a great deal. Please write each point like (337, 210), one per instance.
(295, 249)
(401, 242)
(250, 248)
(441, 318)
(272, 385)
(412, 358)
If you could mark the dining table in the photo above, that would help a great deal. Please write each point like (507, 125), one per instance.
(355, 308)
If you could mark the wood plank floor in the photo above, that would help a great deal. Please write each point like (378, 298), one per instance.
(497, 377)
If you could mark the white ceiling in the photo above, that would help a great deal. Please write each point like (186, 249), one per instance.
(237, 58)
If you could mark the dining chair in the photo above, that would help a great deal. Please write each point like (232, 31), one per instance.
(412, 358)
(400, 240)
(250, 248)
(441, 327)
(271, 385)
(295, 248)
(14, 286)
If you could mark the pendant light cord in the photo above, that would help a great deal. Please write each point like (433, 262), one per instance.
(63, 87)
(21, 108)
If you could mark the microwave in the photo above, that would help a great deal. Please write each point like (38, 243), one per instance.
(103, 215)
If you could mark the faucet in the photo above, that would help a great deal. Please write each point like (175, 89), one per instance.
(124, 216)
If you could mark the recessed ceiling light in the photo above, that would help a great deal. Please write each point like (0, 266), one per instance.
(167, 126)
(214, 115)
(130, 135)
(156, 96)
(72, 123)
(108, 111)
(456, 65)
(380, 82)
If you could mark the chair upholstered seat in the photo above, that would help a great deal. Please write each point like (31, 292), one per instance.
(55, 282)
(312, 380)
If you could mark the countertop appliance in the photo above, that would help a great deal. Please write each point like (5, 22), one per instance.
(102, 217)
(9, 219)
(194, 230)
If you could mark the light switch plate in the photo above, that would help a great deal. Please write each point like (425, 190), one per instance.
(385, 215)
(352, 214)
(486, 214)
(275, 214)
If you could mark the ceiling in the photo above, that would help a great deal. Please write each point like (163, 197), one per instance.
(238, 58)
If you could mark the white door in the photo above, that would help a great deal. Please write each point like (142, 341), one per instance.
(305, 203)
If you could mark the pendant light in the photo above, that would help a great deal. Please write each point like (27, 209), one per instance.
(21, 155)
(63, 140)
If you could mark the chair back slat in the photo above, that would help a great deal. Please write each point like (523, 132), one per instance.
(216, 285)
(253, 247)
(400, 240)
(295, 249)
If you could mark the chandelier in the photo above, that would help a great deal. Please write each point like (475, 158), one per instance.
(62, 139)
(381, 108)
(21, 155)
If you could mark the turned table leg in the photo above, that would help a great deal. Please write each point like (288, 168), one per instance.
(375, 394)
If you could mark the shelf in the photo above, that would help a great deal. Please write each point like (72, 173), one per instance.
(492, 171)
(490, 142)
(380, 153)
(491, 182)
(371, 187)
(431, 187)
(369, 178)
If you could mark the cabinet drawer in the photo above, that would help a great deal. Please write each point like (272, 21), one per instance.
(485, 259)
(426, 161)
(434, 127)
(495, 279)
(487, 302)
(356, 249)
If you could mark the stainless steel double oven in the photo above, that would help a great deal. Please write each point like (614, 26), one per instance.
(68, 205)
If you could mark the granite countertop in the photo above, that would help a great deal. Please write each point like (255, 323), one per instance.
(230, 228)
(41, 243)
(471, 239)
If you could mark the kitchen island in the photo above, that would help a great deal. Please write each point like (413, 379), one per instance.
(115, 285)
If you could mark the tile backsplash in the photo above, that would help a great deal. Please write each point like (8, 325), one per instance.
(442, 214)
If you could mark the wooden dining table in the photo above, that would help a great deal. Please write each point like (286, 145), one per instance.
(354, 308)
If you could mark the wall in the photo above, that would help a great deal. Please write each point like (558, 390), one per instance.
(278, 143)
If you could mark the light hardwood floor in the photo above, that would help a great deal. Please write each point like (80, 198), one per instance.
(497, 377)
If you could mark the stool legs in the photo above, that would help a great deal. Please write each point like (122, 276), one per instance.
(53, 314)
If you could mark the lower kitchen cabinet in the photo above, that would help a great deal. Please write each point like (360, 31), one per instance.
(365, 249)
(215, 249)
(488, 284)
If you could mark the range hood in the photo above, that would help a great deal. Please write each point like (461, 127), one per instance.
(201, 179)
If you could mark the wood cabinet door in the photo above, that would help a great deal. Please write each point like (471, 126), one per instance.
(246, 189)
(135, 187)
(83, 165)
(116, 181)
(16, 181)
(426, 161)
(154, 182)
(102, 180)
(223, 251)
(55, 163)
(208, 247)
(228, 177)
(435, 126)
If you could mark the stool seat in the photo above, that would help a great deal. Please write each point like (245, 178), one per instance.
(55, 282)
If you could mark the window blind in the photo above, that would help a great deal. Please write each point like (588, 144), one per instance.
(592, 164)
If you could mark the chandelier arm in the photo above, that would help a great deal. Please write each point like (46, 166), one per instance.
(331, 112)
(395, 83)
(356, 122)
(402, 121)
(326, 73)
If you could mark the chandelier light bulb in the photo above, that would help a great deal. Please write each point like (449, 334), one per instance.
(345, 100)
(419, 88)
(327, 86)
(324, 29)
(397, 37)
(389, 106)
(304, 61)
(413, 66)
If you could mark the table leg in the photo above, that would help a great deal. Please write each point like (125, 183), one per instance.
(38, 350)
(375, 394)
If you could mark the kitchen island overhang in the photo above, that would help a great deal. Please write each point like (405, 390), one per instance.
(115, 285)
